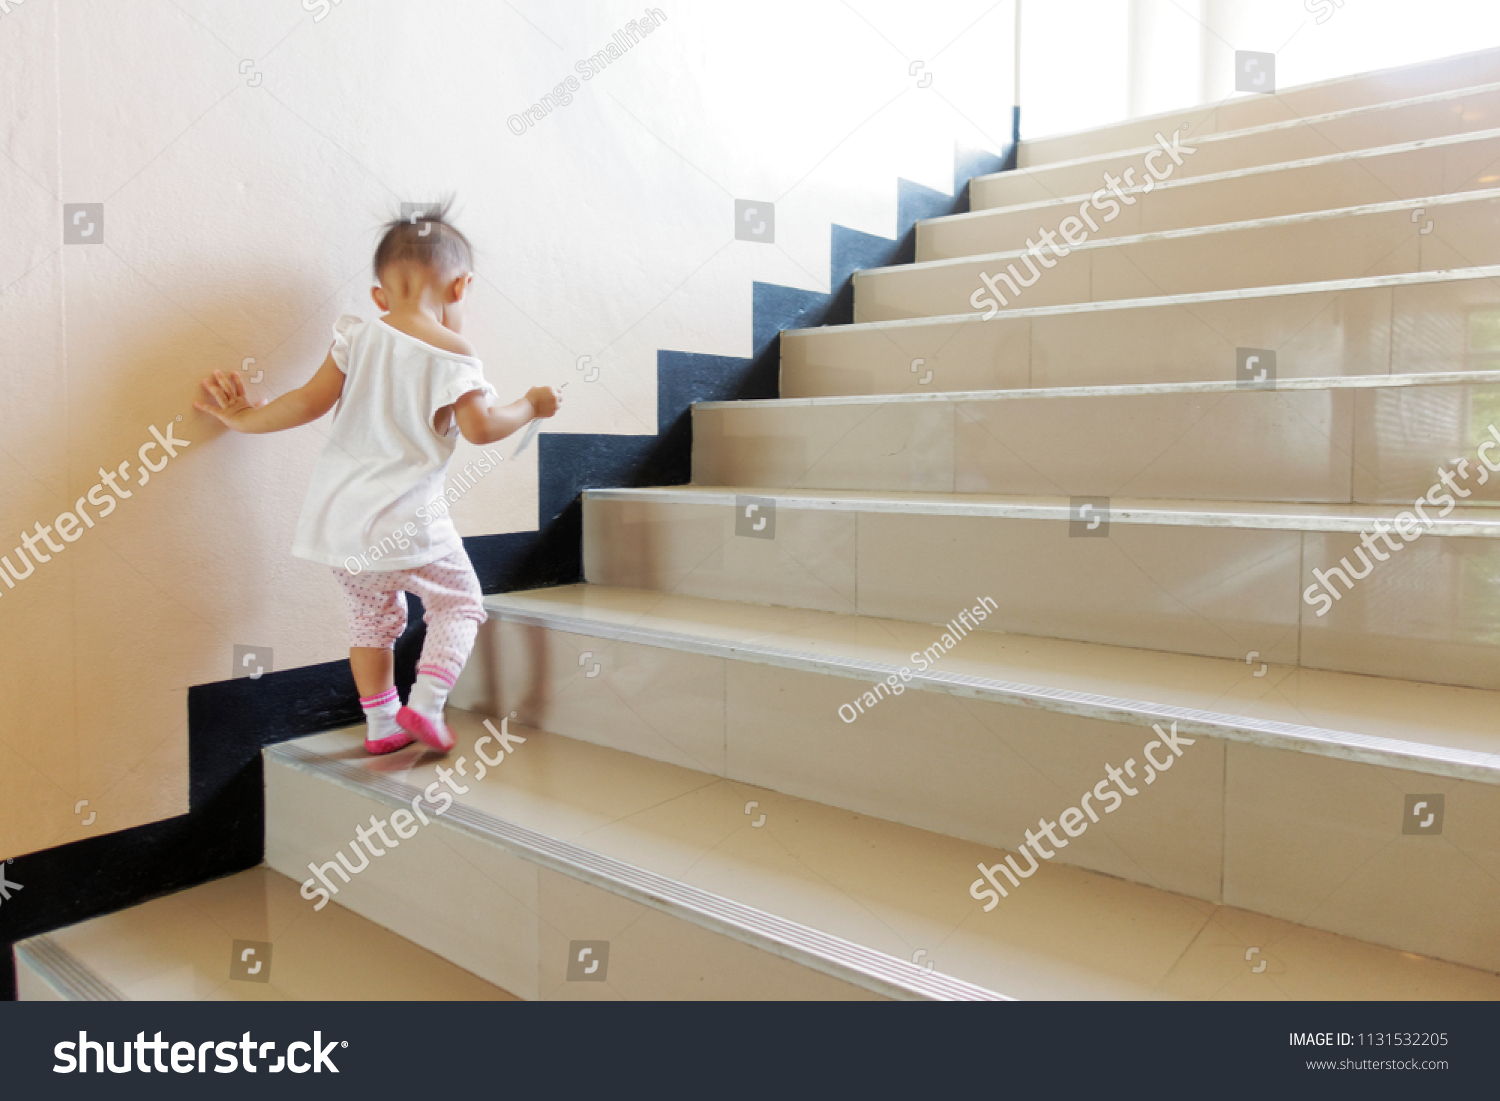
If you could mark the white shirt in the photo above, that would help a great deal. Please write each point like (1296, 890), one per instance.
(384, 461)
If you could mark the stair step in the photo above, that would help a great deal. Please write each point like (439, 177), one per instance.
(503, 876)
(1216, 579)
(1440, 114)
(1239, 113)
(1412, 235)
(1367, 439)
(183, 947)
(1294, 782)
(1426, 728)
(1434, 166)
(886, 892)
(1398, 324)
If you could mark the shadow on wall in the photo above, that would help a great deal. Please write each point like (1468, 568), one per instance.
(229, 722)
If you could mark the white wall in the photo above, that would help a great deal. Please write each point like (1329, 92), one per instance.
(245, 154)
(1090, 62)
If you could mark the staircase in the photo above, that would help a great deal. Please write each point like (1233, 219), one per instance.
(1057, 570)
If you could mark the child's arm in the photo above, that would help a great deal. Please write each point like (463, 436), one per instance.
(301, 406)
(482, 423)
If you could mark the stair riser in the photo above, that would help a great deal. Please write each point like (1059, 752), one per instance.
(1320, 842)
(1370, 446)
(1412, 174)
(1214, 591)
(1461, 234)
(1000, 768)
(510, 920)
(1367, 130)
(1378, 330)
(667, 705)
(1449, 74)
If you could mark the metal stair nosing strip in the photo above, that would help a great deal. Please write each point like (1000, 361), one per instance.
(1404, 381)
(64, 972)
(916, 503)
(800, 944)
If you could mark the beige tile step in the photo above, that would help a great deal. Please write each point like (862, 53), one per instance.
(1299, 101)
(1367, 439)
(889, 889)
(1215, 579)
(1433, 321)
(1182, 153)
(1291, 800)
(188, 946)
(1413, 235)
(1433, 729)
(1409, 170)
(518, 903)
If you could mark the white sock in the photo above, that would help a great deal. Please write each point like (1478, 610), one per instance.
(429, 695)
(380, 714)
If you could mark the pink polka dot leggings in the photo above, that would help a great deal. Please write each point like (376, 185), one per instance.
(451, 599)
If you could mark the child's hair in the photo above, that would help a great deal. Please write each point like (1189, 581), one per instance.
(425, 238)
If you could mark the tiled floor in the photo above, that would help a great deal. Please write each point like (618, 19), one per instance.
(182, 948)
(1065, 933)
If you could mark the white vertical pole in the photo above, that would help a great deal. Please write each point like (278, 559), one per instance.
(1015, 91)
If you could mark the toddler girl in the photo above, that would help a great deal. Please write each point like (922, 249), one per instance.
(406, 385)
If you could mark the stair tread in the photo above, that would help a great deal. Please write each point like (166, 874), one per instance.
(1436, 728)
(179, 948)
(1234, 173)
(901, 890)
(1103, 130)
(543, 841)
(1261, 128)
(1305, 218)
(1403, 279)
(1272, 516)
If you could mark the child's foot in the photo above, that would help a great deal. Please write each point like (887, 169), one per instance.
(429, 731)
(400, 739)
(382, 733)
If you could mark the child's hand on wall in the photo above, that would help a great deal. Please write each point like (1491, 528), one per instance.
(545, 400)
(231, 403)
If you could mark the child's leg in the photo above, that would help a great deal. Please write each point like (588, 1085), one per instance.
(454, 610)
(377, 616)
(375, 677)
(374, 669)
